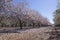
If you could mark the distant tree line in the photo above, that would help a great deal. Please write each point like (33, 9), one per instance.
(20, 15)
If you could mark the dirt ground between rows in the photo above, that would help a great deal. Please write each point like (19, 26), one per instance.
(44, 33)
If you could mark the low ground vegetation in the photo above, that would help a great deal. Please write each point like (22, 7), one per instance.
(46, 33)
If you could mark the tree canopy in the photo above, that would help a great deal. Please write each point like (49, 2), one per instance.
(19, 15)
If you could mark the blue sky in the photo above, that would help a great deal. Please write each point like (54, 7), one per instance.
(45, 7)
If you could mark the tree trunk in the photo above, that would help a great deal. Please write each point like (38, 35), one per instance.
(33, 25)
(20, 24)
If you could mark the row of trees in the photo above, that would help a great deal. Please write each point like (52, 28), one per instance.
(57, 15)
(19, 15)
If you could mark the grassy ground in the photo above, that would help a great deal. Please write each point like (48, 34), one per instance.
(44, 33)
